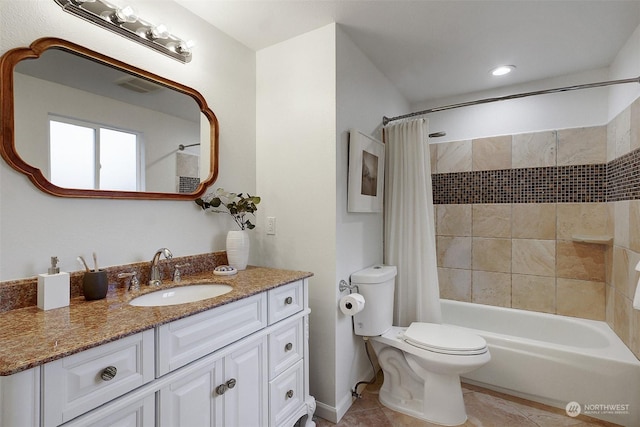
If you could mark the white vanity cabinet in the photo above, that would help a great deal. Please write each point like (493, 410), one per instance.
(241, 364)
(258, 381)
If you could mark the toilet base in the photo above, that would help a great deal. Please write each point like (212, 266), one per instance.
(436, 399)
(442, 399)
(412, 389)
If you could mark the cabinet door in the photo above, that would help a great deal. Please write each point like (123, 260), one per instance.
(190, 400)
(20, 399)
(245, 404)
(227, 389)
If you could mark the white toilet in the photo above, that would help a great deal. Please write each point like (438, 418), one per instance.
(422, 363)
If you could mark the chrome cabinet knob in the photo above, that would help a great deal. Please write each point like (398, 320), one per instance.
(288, 347)
(109, 373)
(288, 300)
(222, 388)
(289, 394)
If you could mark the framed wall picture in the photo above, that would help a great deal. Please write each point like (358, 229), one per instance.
(366, 173)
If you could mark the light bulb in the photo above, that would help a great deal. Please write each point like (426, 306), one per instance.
(125, 14)
(157, 32)
(184, 47)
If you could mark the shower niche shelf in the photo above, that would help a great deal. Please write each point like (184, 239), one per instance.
(597, 239)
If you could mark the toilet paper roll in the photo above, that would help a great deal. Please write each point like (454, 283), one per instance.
(351, 304)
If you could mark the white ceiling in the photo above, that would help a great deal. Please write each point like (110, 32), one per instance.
(433, 49)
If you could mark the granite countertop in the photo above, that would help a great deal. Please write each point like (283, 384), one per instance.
(30, 337)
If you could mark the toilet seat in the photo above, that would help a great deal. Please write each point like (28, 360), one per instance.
(444, 339)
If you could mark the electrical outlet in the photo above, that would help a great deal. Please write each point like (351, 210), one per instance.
(271, 225)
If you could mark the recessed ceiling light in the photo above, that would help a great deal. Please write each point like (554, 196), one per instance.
(502, 70)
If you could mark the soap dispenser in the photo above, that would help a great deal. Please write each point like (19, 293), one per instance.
(53, 287)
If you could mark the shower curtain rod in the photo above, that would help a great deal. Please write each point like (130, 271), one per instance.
(181, 147)
(386, 120)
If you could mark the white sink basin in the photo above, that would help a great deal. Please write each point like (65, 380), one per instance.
(180, 295)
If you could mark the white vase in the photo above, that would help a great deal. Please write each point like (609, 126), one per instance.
(238, 248)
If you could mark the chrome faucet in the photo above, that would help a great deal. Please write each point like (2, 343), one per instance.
(155, 278)
(134, 283)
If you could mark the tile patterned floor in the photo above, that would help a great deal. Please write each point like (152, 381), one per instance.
(485, 408)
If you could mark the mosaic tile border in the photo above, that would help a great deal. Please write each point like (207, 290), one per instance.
(556, 184)
(615, 181)
(582, 183)
(188, 184)
(623, 177)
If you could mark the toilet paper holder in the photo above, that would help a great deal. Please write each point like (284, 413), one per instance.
(343, 286)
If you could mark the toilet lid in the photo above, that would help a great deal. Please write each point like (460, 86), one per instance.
(444, 339)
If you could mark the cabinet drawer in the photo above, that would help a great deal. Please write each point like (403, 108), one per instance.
(286, 394)
(185, 340)
(285, 301)
(78, 383)
(285, 347)
(123, 412)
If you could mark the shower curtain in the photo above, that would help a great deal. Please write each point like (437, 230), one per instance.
(409, 225)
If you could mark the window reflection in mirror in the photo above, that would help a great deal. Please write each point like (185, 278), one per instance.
(75, 87)
(83, 155)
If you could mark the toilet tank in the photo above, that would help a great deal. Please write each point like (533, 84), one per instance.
(376, 284)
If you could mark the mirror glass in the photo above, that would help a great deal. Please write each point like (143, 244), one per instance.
(85, 125)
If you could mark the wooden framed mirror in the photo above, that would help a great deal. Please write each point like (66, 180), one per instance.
(80, 124)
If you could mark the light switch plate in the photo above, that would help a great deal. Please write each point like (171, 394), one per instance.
(271, 225)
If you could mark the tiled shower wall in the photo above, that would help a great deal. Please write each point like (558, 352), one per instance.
(512, 214)
(623, 209)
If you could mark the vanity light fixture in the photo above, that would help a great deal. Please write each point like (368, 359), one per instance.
(502, 70)
(126, 22)
(157, 32)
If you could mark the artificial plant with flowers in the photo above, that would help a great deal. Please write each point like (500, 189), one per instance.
(237, 205)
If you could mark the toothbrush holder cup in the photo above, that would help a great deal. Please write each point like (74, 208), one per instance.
(95, 285)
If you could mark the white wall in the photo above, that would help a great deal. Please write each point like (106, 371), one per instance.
(364, 96)
(296, 175)
(626, 65)
(311, 90)
(34, 226)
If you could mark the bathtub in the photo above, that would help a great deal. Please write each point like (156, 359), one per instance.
(553, 360)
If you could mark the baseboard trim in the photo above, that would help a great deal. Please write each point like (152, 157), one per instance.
(344, 405)
(327, 412)
(334, 414)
